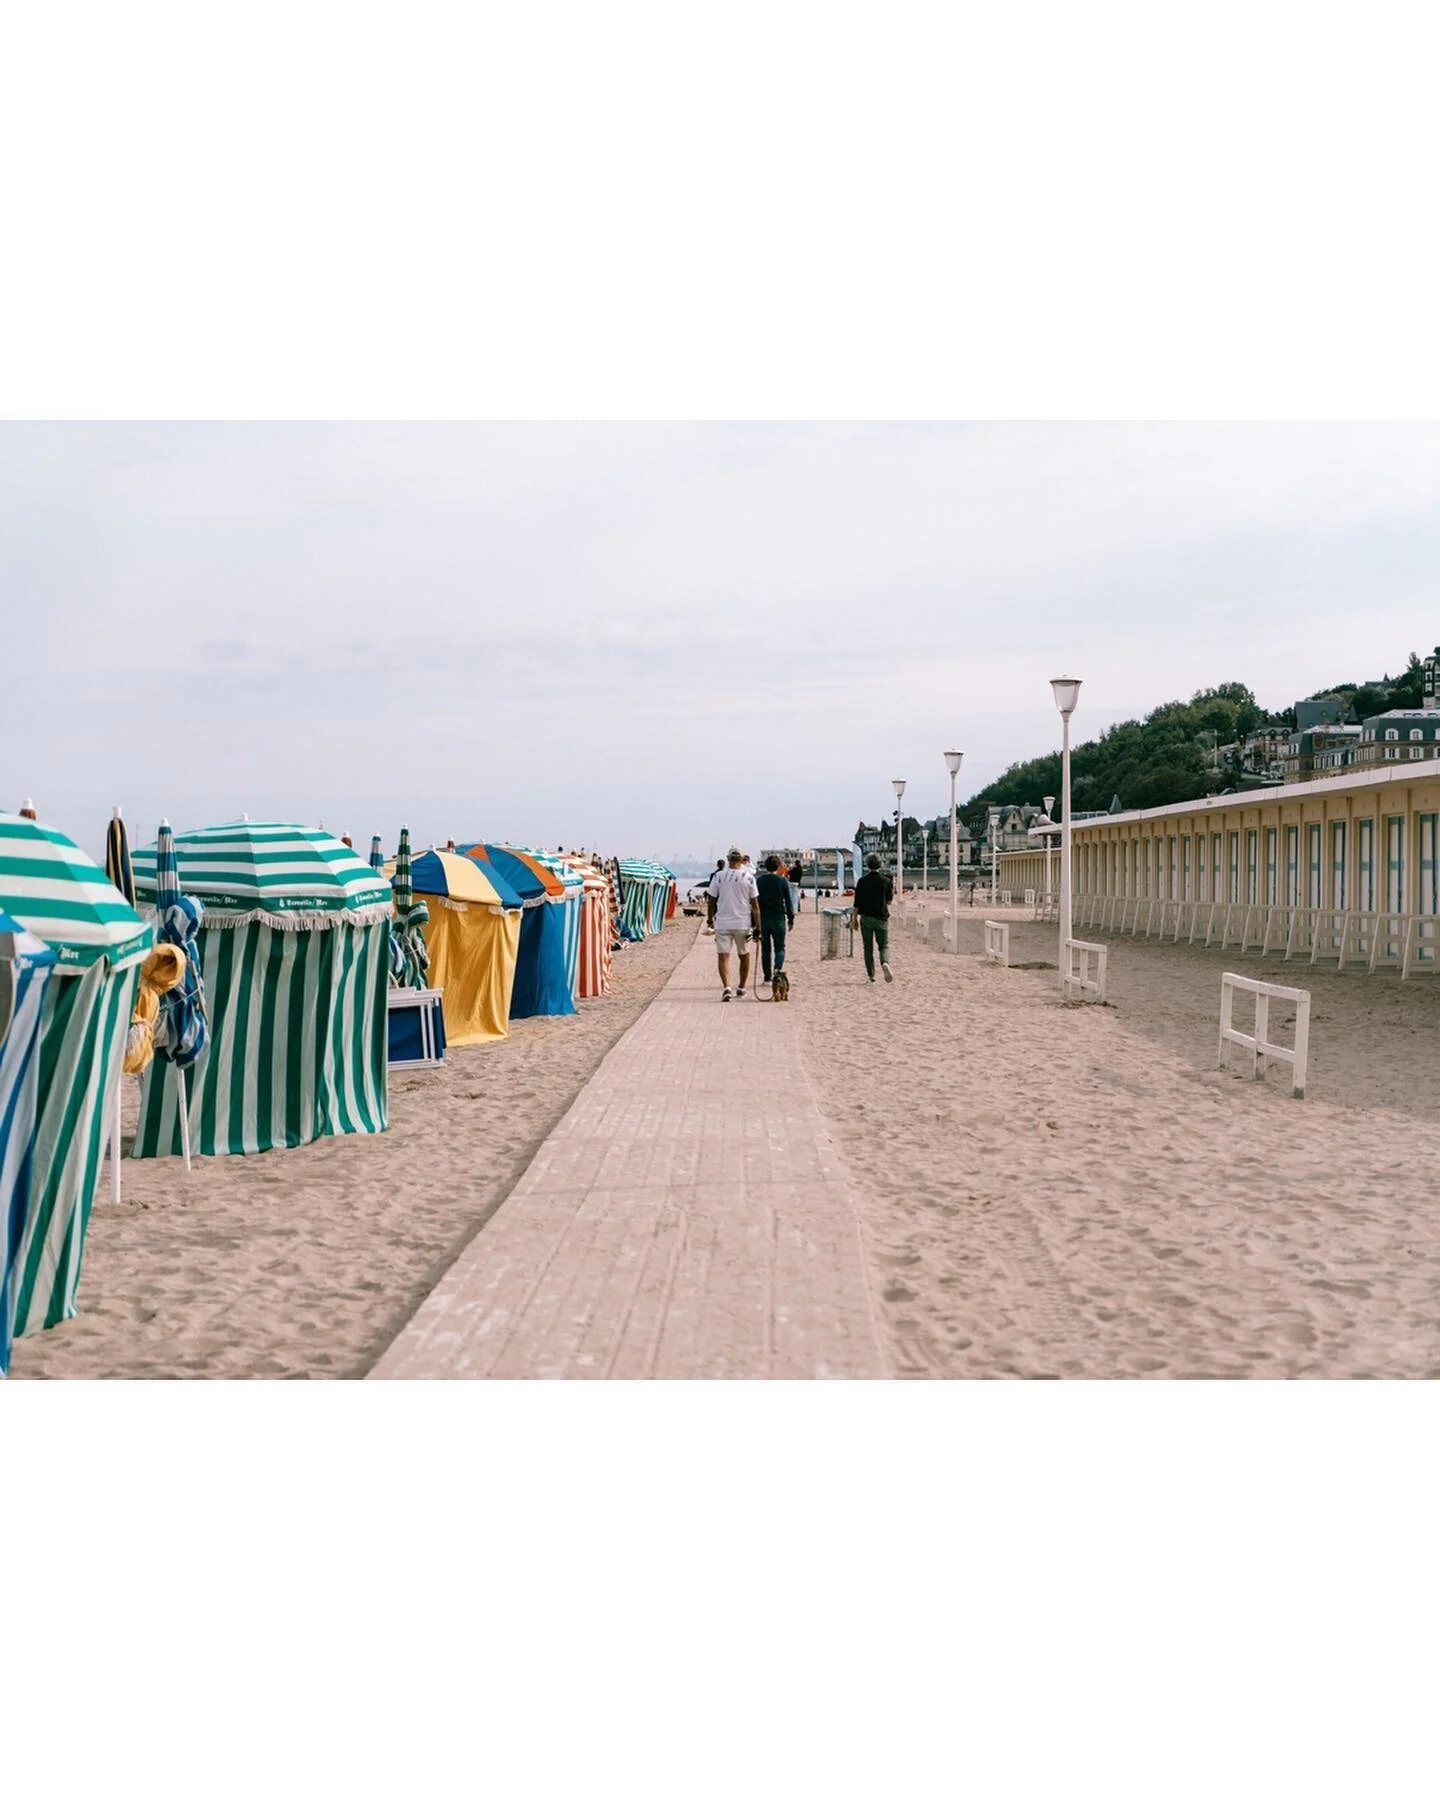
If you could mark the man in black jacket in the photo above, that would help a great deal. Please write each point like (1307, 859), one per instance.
(871, 915)
(777, 915)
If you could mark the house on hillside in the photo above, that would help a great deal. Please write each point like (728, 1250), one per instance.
(1409, 734)
(1320, 750)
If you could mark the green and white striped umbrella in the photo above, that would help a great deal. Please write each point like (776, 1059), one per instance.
(253, 871)
(54, 889)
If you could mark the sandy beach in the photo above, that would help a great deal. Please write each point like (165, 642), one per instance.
(1042, 1190)
(1057, 1191)
(305, 1263)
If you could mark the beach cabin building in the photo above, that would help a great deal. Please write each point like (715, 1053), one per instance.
(1343, 867)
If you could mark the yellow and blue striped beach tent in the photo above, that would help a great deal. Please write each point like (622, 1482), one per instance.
(473, 938)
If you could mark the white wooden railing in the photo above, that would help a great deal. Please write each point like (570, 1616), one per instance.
(1408, 942)
(1262, 1051)
(1077, 980)
(997, 942)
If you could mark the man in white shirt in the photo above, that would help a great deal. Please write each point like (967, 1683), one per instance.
(732, 905)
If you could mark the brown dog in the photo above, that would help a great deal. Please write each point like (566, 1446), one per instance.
(780, 986)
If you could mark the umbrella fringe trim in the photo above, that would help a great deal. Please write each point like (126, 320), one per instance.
(356, 918)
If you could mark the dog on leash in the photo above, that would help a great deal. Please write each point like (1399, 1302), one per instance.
(780, 986)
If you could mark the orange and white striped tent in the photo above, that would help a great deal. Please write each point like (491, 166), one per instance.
(597, 928)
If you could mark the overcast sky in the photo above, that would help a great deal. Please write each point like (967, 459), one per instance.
(657, 638)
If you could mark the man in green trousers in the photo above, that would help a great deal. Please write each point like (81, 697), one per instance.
(873, 892)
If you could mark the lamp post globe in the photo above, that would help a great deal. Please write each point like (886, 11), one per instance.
(1066, 690)
(953, 759)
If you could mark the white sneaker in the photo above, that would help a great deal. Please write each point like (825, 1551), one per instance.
(739, 993)
(727, 995)
(885, 971)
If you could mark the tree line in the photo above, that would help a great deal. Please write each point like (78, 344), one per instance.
(1168, 756)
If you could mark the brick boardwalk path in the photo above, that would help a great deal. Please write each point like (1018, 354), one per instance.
(688, 1217)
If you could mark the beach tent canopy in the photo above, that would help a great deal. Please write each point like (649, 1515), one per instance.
(597, 929)
(542, 986)
(252, 870)
(473, 937)
(645, 889)
(294, 951)
(53, 889)
(25, 966)
(564, 871)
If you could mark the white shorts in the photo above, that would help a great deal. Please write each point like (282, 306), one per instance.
(726, 941)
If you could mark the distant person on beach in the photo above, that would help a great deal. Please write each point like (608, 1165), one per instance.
(794, 878)
(871, 915)
(777, 915)
(732, 906)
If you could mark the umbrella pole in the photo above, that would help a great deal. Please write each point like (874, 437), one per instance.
(115, 1140)
(184, 1118)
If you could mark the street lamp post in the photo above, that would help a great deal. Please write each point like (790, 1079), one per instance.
(1067, 694)
(899, 787)
(1049, 881)
(994, 856)
(953, 760)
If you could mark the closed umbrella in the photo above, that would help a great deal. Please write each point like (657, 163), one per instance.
(412, 914)
(182, 1030)
(117, 857)
(397, 954)
(122, 875)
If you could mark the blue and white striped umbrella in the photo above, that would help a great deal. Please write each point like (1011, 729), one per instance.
(182, 1030)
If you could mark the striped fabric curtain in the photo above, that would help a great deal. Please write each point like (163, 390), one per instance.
(83, 1023)
(25, 966)
(298, 1044)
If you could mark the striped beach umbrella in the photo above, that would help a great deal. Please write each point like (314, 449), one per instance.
(54, 889)
(51, 887)
(25, 966)
(253, 870)
(117, 857)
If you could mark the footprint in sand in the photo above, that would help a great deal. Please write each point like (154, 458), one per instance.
(898, 1291)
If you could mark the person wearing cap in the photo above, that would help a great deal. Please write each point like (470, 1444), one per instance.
(732, 907)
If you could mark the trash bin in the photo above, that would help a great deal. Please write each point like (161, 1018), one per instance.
(836, 936)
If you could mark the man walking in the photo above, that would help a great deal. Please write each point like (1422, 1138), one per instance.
(777, 915)
(871, 915)
(732, 905)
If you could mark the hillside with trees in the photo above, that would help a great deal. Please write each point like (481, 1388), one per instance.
(1169, 755)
